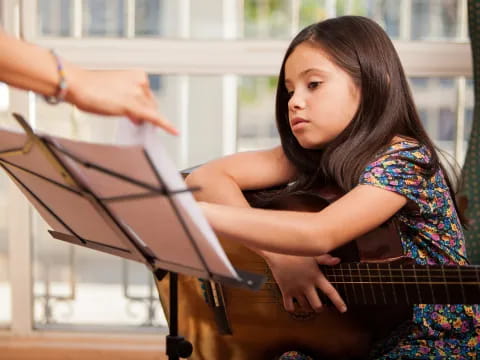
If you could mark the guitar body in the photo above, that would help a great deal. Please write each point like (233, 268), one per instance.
(262, 329)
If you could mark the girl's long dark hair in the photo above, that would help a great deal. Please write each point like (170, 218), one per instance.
(361, 48)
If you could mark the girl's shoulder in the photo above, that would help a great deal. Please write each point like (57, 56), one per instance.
(406, 150)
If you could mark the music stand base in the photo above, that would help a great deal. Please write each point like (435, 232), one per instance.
(178, 347)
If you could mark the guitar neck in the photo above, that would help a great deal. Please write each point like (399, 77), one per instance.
(389, 284)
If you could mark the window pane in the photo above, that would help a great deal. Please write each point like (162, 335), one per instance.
(386, 13)
(197, 103)
(312, 11)
(436, 101)
(81, 287)
(148, 18)
(55, 17)
(104, 18)
(206, 19)
(5, 298)
(171, 18)
(256, 113)
(434, 19)
(267, 19)
(205, 119)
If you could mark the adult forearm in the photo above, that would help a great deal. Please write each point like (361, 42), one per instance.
(118, 93)
(28, 66)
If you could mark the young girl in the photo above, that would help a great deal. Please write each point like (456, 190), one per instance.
(346, 118)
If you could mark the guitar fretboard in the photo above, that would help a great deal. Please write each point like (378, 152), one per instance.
(377, 284)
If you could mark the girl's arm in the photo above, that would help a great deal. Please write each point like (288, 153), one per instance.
(222, 182)
(127, 92)
(309, 234)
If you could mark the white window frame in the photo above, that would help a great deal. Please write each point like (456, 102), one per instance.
(219, 57)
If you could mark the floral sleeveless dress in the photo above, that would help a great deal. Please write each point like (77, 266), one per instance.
(430, 235)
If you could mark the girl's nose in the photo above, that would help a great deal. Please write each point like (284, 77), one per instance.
(296, 102)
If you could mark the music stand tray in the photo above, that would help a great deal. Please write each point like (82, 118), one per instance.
(127, 201)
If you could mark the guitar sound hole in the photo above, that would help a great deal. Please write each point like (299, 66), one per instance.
(300, 315)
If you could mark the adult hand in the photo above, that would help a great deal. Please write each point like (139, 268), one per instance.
(299, 277)
(115, 92)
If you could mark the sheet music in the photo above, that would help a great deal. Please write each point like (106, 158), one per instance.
(59, 203)
(149, 137)
(120, 209)
(130, 134)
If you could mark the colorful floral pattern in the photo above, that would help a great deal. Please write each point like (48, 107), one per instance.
(431, 234)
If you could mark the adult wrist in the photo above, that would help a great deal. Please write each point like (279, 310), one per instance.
(75, 75)
(62, 85)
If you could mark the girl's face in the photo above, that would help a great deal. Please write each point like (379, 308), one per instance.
(323, 97)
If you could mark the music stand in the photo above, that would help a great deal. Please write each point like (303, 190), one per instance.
(128, 201)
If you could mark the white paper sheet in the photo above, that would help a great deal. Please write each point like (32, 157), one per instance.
(148, 136)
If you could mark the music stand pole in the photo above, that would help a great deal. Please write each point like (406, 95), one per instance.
(177, 346)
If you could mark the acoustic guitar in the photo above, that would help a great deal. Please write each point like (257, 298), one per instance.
(378, 283)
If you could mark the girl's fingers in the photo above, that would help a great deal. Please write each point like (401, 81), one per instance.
(327, 259)
(314, 300)
(303, 303)
(288, 303)
(328, 289)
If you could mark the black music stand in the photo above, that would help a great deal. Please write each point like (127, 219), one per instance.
(125, 201)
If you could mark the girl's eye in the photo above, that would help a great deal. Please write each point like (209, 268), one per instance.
(313, 84)
(290, 94)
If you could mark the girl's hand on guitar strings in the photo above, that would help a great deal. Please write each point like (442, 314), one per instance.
(325, 286)
(299, 277)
